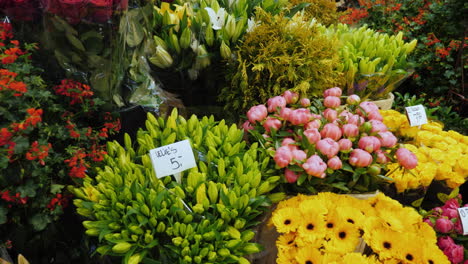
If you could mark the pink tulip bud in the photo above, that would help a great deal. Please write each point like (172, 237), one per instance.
(247, 126)
(444, 242)
(315, 166)
(367, 107)
(374, 115)
(377, 126)
(285, 113)
(305, 102)
(444, 225)
(313, 124)
(353, 99)
(290, 143)
(299, 155)
(406, 158)
(360, 158)
(332, 131)
(429, 222)
(291, 97)
(290, 176)
(300, 116)
(330, 114)
(332, 101)
(369, 143)
(270, 123)
(450, 213)
(381, 157)
(345, 115)
(454, 253)
(283, 156)
(356, 120)
(345, 144)
(312, 135)
(328, 147)
(334, 163)
(350, 130)
(276, 102)
(257, 113)
(452, 204)
(387, 139)
(335, 91)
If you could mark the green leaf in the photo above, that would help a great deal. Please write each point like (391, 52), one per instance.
(3, 162)
(75, 42)
(296, 9)
(56, 188)
(39, 221)
(28, 189)
(134, 32)
(340, 186)
(454, 193)
(3, 215)
(301, 179)
(22, 144)
(417, 203)
(443, 197)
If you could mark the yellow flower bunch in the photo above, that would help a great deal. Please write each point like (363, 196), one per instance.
(175, 16)
(442, 155)
(329, 227)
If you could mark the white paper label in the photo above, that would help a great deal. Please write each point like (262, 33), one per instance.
(416, 115)
(173, 158)
(463, 212)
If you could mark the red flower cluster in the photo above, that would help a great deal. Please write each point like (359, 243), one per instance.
(353, 16)
(35, 117)
(5, 32)
(39, 152)
(17, 199)
(78, 164)
(77, 91)
(58, 200)
(7, 82)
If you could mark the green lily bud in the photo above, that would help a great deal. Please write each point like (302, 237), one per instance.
(209, 36)
(225, 51)
(92, 232)
(121, 247)
(251, 248)
(162, 58)
(135, 259)
(212, 256)
(224, 252)
(240, 28)
(161, 227)
(230, 27)
(174, 41)
(185, 39)
(148, 238)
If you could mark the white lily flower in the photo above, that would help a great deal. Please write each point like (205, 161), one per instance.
(217, 18)
(251, 24)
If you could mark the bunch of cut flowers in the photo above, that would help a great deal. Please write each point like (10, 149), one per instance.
(335, 143)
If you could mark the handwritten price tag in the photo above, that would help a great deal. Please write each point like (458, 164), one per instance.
(172, 159)
(463, 212)
(416, 115)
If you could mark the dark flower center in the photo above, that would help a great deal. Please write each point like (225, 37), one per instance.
(330, 225)
(310, 226)
(350, 221)
(431, 262)
(309, 262)
(409, 257)
(342, 234)
(287, 222)
(290, 242)
(387, 245)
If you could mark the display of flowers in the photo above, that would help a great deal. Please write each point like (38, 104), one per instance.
(329, 228)
(327, 145)
(447, 223)
(442, 155)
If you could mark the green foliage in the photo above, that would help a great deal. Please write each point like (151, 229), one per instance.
(277, 55)
(204, 218)
(322, 10)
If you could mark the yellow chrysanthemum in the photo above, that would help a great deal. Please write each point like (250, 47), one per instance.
(344, 238)
(286, 219)
(455, 181)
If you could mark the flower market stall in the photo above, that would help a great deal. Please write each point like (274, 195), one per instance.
(233, 131)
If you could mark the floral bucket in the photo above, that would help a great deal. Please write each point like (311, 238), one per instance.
(385, 104)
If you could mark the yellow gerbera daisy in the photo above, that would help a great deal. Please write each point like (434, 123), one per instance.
(343, 239)
(309, 255)
(286, 257)
(433, 255)
(286, 219)
(293, 202)
(312, 206)
(350, 215)
(312, 228)
(383, 241)
(286, 241)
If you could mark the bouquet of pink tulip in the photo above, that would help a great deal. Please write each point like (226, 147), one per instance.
(446, 222)
(326, 144)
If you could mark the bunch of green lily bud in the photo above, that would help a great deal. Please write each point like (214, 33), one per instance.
(191, 35)
(374, 63)
(206, 218)
(334, 146)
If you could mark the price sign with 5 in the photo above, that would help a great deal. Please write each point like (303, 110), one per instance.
(463, 212)
(172, 159)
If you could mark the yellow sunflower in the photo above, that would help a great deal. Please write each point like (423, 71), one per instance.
(309, 255)
(286, 242)
(343, 239)
(286, 219)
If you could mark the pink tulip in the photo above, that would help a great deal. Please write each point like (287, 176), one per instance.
(334, 163)
(443, 225)
(360, 158)
(276, 102)
(381, 157)
(291, 97)
(445, 242)
(285, 113)
(247, 126)
(332, 101)
(353, 99)
(316, 116)
(345, 115)
(283, 156)
(290, 143)
(300, 116)
(257, 113)
(345, 144)
(454, 253)
(377, 126)
(356, 120)
(328, 147)
(374, 115)
(368, 107)
(313, 124)
(330, 114)
(312, 135)
(290, 176)
(270, 123)
(450, 213)
(305, 102)
(315, 166)
(387, 139)
(406, 158)
(335, 91)
(332, 131)
(299, 155)
(369, 143)
(350, 130)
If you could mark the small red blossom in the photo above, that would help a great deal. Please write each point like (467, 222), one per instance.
(5, 136)
(58, 200)
(77, 91)
(77, 164)
(39, 152)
